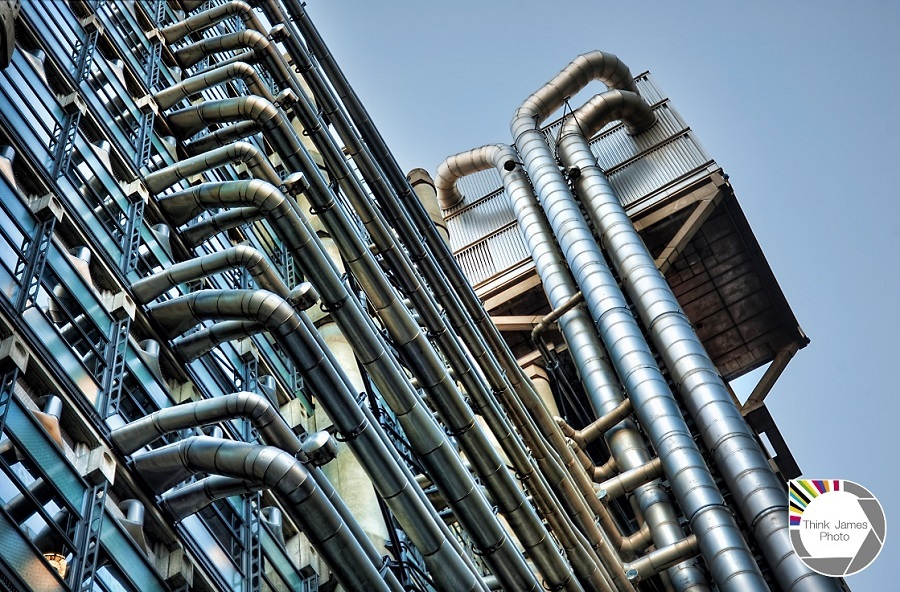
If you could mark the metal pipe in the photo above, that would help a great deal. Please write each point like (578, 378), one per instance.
(273, 430)
(331, 388)
(236, 152)
(221, 137)
(757, 491)
(192, 498)
(206, 79)
(554, 315)
(201, 342)
(656, 409)
(660, 559)
(208, 18)
(630, 480)
(203, 230)
(241, 256)
(397, 198)
(474, 511)
(599, 426)
(601, 385)
(277, 470)
(255, 408)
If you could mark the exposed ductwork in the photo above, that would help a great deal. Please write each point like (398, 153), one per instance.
(464, 310)
(601, 385)
(655, 408)
(399, 395)
(277, 470)
(758, 492)
(328, 384)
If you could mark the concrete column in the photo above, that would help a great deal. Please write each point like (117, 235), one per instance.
(345, 472)
(542, 384)
(423, 185)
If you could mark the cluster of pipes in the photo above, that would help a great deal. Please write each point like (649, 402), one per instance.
(444, 353)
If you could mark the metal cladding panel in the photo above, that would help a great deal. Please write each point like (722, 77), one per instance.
(474, 187)
(637, 167)
(493, 255)
(657, 168)
(473, 224)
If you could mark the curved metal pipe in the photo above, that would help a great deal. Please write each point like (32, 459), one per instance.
(757, 491)
(427, 439)
(277, 470)
(236, 152)
(660, 559)
(221, 137)
(201, 342)
(208, 18)
(253, 407)
(598, 427)
(153, 286)
(200, 232)
(656, 409)
(601, 385)
(192, 498)
(331, 388)
(168, 97)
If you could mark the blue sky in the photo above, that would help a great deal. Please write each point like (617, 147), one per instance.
(797, 101)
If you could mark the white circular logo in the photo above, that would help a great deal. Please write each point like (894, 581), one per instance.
(837, 526)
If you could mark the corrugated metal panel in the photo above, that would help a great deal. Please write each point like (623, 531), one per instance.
(478, 221)
(474, 187)
(657, 168)
(494, 255)
(482, 229)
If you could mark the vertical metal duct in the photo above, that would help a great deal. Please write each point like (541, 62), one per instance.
(724, 549)
(464, 310)
(600, 383)
(757, 491)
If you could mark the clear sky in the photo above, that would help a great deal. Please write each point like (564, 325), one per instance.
(797, 101)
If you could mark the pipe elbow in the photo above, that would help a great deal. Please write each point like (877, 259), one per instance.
(607, 107)
(207, 19)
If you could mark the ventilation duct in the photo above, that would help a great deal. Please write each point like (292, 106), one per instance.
(149, 353)
(268, 386)
(758, 492)
(133, 521)
(274, 468)
(7, 155)
(271, 517)
(37, 58)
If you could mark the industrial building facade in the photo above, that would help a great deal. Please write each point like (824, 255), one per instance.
(243, 351)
